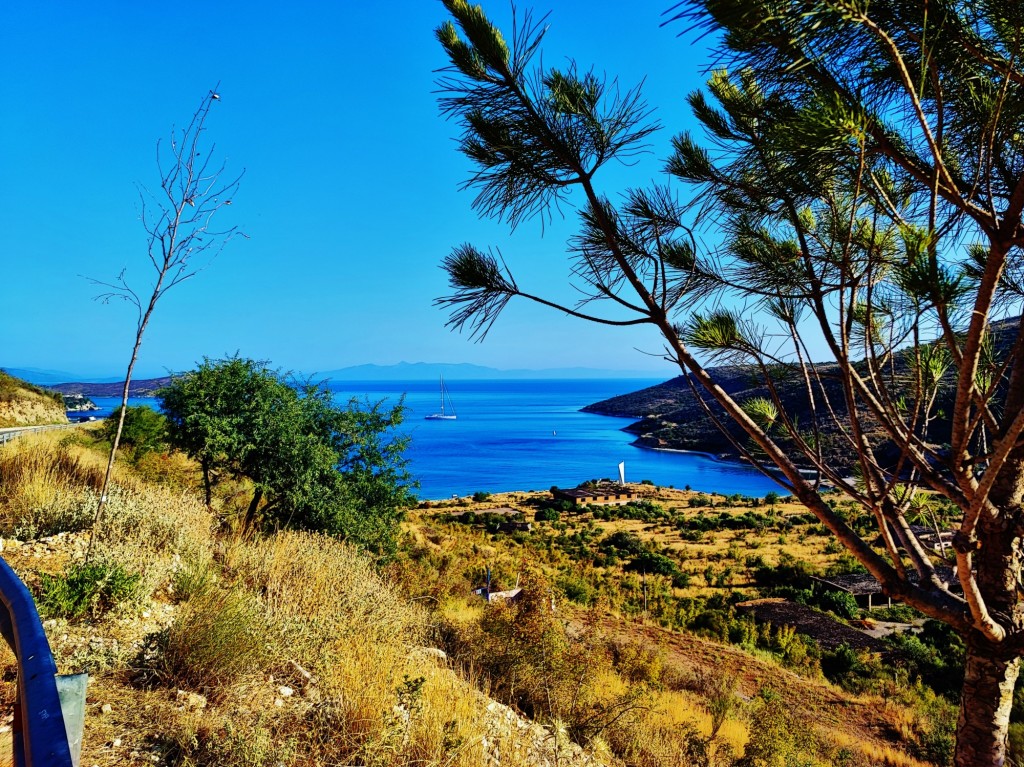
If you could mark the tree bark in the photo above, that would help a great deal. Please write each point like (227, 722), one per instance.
(207, 485)
(254, 505)
(985, 704)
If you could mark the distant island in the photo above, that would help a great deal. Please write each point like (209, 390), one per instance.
(78, 403)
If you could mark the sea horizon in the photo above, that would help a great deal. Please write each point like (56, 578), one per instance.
(529, 435)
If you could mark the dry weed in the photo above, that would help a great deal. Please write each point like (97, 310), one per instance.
(42, 484)
(327, 584)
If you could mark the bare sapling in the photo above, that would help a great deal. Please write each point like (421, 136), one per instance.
(181, 240)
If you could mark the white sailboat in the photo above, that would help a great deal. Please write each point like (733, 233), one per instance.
(443, 415)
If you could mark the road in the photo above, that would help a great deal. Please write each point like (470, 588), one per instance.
(13, 432)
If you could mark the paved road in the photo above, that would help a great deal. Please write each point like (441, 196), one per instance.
(13, 432)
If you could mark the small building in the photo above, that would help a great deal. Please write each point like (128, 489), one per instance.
(601, 494)
(863, 586)
(868, 591)
(510, 596)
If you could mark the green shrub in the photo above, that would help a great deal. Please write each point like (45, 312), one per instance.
(480, 496)
(547, 515)
(841, 603)
(93, 588)
(144, 430)
(577, 589)
(652, 563)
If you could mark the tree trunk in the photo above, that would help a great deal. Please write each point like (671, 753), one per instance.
(207, 485)
(985, 703)
(254, 505)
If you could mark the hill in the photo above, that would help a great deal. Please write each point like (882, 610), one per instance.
(142, 387)
(228, 649)
(670, 415)
(23, 404)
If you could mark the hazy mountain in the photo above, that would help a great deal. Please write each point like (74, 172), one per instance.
(39, 376)
(421, 371)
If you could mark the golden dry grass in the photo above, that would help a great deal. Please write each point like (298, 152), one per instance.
(44, 479)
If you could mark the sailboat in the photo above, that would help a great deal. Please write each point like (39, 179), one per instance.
(443, 415)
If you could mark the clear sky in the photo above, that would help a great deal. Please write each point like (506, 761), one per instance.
(351, 191)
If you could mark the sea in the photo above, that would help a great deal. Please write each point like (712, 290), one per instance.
(524, 435)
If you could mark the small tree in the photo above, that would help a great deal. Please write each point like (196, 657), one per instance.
(864, 170)
(311, 463)
(143, 430)
(181, 239)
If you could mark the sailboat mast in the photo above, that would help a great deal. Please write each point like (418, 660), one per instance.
(442, 393)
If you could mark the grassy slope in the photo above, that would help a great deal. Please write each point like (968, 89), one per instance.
(23, 404)
(232, 649)
(880, 730)
(196, 663)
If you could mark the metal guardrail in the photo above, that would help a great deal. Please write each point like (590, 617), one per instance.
(50, 711)
(7, 435)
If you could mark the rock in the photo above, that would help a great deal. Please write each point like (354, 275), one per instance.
(116, 742)
(286, 692)
(106, 708)
(192, 701)
(278, 702)
(430, 652)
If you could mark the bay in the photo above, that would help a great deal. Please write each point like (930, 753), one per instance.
(529, 435)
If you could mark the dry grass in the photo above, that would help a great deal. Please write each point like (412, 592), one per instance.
(43, 484)
(326, 583)
(221, 639)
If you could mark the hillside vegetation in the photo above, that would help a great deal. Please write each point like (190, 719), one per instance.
(209, 645)
(213, 644)
(24, 404)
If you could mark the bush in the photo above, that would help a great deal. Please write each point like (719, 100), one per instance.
(480, 496)
(653, 563)
(218, 638)
(93, 588)
(547, 515)
(145, 430)
(841, 603)
(622, 543)
(577, 589)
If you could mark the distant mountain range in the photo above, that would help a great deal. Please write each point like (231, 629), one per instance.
(42, 377)
(108, 386)
(65, 383)
(424, 371)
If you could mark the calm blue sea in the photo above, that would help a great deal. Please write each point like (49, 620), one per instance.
(530, 435)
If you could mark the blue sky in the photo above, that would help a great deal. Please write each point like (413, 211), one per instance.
(350, 197)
